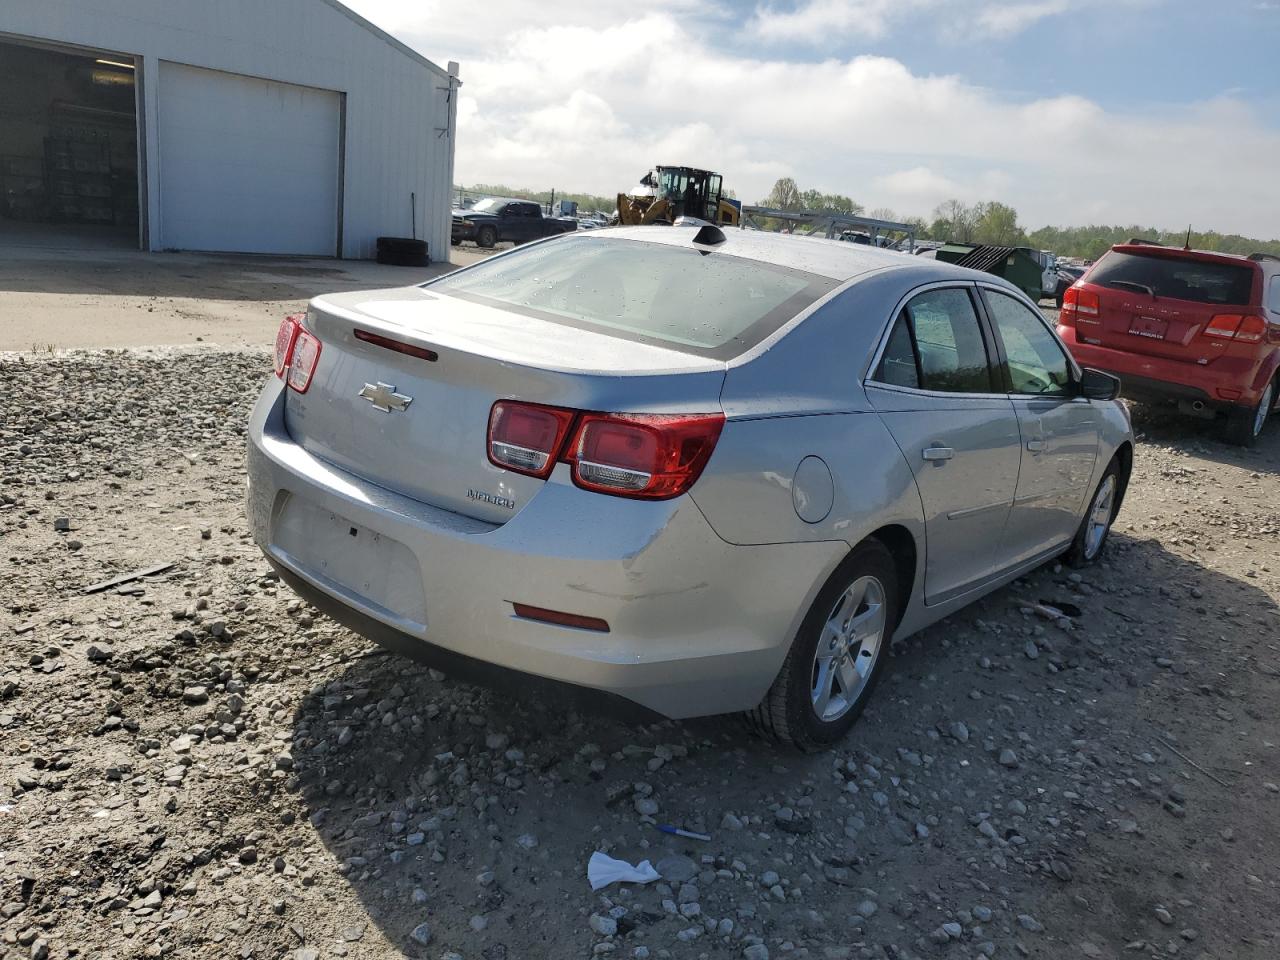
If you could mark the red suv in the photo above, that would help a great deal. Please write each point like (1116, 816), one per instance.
(1200, 329)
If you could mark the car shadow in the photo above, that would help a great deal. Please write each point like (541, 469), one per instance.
(1165, 426)
(447, 804)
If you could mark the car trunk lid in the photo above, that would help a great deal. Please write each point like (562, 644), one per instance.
(418, 426)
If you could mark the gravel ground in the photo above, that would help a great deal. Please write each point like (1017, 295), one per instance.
(196, 765)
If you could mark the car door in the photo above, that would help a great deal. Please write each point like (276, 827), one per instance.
(933, 386)
(509, 221)
(1059, 428)
(529, 221)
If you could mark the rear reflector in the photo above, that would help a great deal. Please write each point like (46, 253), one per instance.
(1234, 326)
(652, 457)
(302, 364)
(399, 346)
(526, 612)
(285, 338)
(527, 437)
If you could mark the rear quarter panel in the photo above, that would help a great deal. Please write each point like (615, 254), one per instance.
(799, 394)
(747, 493)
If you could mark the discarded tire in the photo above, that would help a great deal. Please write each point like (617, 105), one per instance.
(402, 252)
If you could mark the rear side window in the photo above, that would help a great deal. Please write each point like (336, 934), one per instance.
(936, 344)
(712, 305)
(1176, 278)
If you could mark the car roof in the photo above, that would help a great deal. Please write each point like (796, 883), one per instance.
(834, 259)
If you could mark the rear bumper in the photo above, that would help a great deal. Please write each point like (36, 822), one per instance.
(697, 626)
(1227, 382)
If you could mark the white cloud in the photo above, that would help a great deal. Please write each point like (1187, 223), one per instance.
(592, 106)
(825, 23)
(1007, 19)
(819, 21)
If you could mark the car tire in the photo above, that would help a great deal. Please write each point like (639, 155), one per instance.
(1095, 526)
(808, 705)
(1245, 424)
(487, 237)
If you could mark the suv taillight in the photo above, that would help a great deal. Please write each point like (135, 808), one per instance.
(1079, 304)
(646, 456)
(1234, 326)
(652, 457)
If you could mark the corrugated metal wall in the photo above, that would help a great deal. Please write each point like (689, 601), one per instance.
(397, 104)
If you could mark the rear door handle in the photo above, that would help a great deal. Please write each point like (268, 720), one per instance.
(1035, 446)
(938, 453)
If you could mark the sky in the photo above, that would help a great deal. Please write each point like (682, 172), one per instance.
(1162, 113)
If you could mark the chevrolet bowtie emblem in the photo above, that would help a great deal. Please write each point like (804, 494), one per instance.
(384, 397)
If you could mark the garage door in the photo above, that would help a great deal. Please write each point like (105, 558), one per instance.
(247, 165)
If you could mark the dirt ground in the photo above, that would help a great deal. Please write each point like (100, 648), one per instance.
(56, 299)
(195, 764)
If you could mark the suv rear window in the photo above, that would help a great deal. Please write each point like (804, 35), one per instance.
(1176, 278)
(712, 305)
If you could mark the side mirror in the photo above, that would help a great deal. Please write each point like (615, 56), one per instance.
(1096, 385)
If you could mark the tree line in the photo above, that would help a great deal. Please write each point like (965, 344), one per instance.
(996, 223)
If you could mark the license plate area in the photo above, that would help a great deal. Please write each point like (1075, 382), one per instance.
(1153, 328)
(377, 571)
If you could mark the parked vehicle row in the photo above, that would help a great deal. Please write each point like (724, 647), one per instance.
(687, 470)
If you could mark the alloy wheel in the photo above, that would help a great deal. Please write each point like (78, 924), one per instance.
(1100, 516)
(848, 648)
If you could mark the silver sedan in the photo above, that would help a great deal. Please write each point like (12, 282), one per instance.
(691, 471)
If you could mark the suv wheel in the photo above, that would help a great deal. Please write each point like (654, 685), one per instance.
(487, 237)
(1244, 424)
(837, 656)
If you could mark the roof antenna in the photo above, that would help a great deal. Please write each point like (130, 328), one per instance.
(1187, 245)
(709, 235)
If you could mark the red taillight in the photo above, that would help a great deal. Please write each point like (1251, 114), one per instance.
(1079, 304)
(652, 457)
(285, 338)
(1252, 329)
(527, 437)
(302, 363)
(1235, 326)
(1224, 325)
(648, 456)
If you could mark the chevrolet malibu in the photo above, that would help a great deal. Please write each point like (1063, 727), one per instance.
(686, 470)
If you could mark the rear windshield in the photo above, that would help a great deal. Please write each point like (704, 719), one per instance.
(712, 305)
(1176, 278)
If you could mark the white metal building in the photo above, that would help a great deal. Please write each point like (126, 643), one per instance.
(255, 126)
